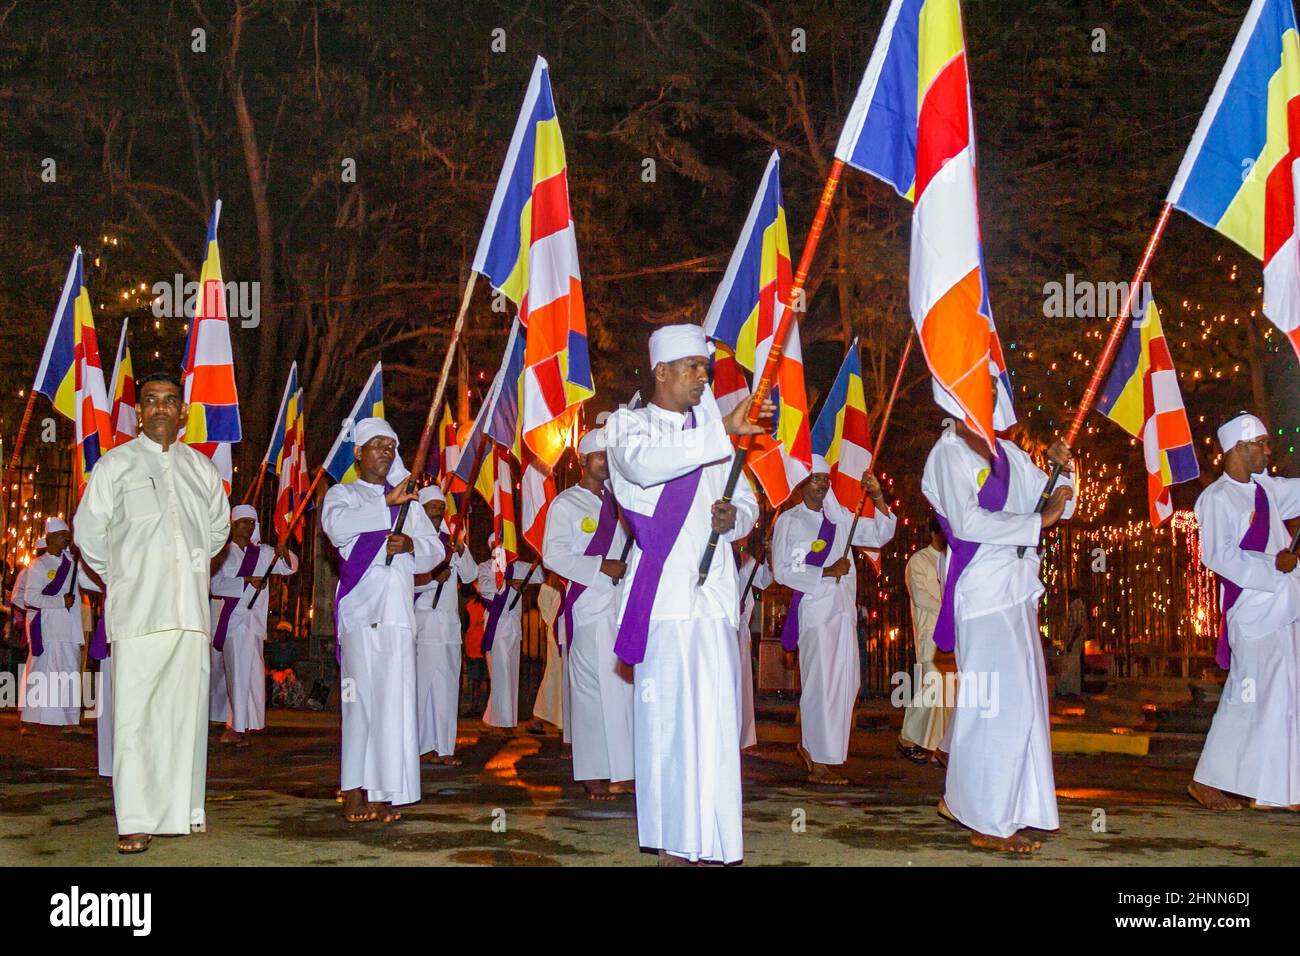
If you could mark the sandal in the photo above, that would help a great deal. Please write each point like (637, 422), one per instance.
(917, 755)
(133, 843)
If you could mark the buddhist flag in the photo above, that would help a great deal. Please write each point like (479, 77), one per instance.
(842, 436)
(1237, 175)
(529, 253)
(912, 127)
(482, 482)
(123, 415)
(71, 374)
(341, 461)
(503, 504)
(730, 387)
(286, 457)
(1142, 397)
(744, 315)
(208, 375)
(448, 455)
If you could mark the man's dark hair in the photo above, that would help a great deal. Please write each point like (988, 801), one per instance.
(159, 376)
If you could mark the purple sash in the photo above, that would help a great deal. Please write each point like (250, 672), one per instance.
(814, 559)
(599, 544)
(992, 497)
(1255, 539)
(99, 648)
(446, 563)
(353, 568)
(495, 609)
(228, 604)
(34, 638)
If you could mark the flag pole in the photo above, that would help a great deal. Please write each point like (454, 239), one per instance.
(764, 383)
(431, 420)
(288, 531)
(880, 439)
(15, 456)
(1107, 354)
(255, 486)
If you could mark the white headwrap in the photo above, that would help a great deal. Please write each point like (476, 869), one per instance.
(1244, 427)
(40, 543)
(673, 342)
(55, 525)
(592, 442)
(368, 428)
(819, 466)
(241, 512)
(431, 493)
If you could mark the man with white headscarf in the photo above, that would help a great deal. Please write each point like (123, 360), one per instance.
(1253, 747)
(584, 545)
(375, 616)
(501, 586)
(754, 576)
(812, 557)
(240, 602)
(52, 675)
(438, 637)
(999, 778)
(669, 461)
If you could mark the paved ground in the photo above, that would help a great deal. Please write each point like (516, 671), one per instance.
(274, 804)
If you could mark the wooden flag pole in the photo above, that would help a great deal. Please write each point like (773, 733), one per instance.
(288, 531)
(520, 593)
(15, 456)
(431, 420)
(764, 384)
(255, 487)
(1107, 354)
(880, 438)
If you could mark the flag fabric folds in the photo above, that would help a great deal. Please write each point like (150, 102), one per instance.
(1236, 176)
(743, 317)
(122, 401)
(449, 452)
(208, 374)
(842, 435)
(71, 373)
(529, 253)
(286, 456)
(911, 126)
(341, 462)
(1142, 397)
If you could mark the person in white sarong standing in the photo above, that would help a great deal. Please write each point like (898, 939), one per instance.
(669, 462)
(810, 555)
(375, 616)
(1253, 748)
(999, 778)
(584, 544)
(551, 705)
(438, 637)
(928, 711)
(501, 586)
(238, 630)
(153, 515)
(52, 675)
(754, 576)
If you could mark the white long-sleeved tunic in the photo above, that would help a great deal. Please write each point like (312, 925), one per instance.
(227, 583)
(58, 622)
(570, 525)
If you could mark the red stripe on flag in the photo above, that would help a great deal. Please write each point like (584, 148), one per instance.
(943, 123)
(1279, 191)
(550, 208)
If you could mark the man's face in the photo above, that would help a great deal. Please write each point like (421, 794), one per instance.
(682, 382)
(160, 409)
(56, 541)
(597, 465)
(1253, 454)
(242, 529)
(435, 510)
(375, 457)
(814, 490)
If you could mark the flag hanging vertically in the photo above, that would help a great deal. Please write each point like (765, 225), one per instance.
(340, 461)
(911, 126)
(503, 504)
(529, 253)
(842, 433)
(744, 315)
(208, 375)
(122, 401)
(729, 385)
(1236, 176)
(448, 455)
(71, 373)
(286, 457)
(1142, 397)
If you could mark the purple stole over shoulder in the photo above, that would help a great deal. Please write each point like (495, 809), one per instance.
(655, 535)
(599, 544)
(228, 604)
(353, 568)
(992, 497)
(814, 559)
(99, 648)
(1255, 539)
(34, 638)
(496, 607)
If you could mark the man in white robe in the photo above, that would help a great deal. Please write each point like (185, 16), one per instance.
(18, 598)
(812, 557)
(1253, 747)
(551, 706)
(584, 544)
(753, 576)
(669, 461)
(153, 515)
(375, 601)
(239, 629)
(438, 637)
(52, 675)
(927, 713)
(999, 778)
(503, 633)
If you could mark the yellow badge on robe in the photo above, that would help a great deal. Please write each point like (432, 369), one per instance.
(818, 545)
(982, 477)
(50, 574)
(588, 524)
